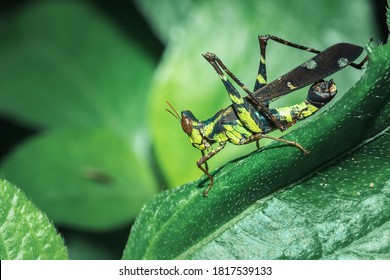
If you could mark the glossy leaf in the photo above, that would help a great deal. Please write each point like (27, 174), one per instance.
(25, 232)
(342, 212)
(321, 218)
(84, 183)
(167, 18)
(87, 84)
(57, 71)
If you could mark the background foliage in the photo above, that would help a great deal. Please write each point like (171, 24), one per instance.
(86, 138)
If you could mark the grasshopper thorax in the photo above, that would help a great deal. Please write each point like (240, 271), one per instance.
(321, 93)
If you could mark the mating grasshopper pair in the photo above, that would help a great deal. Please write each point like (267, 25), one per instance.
(250, 119)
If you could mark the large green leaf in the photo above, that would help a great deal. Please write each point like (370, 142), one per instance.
(86, 83)
(342, 208)
(230, 30)
(25, 232)
(56, 71)
(84, 183)
(165, 18)
(343, 212)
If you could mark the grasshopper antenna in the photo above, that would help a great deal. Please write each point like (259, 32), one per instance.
(173, 112)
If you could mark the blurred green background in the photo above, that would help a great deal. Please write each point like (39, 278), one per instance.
(83, 86)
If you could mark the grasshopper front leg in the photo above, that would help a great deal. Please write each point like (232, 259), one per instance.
(203, 160)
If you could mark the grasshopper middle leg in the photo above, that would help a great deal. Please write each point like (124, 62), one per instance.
(257, 137)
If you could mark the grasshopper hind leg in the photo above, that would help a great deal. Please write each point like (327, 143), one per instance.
(261, 78)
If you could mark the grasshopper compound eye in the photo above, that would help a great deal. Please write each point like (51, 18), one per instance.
(321, 93)
(186, 121)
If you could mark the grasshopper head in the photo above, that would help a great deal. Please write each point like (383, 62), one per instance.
(192, 127)
(321, 93)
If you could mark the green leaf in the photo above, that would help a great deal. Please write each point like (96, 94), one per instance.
(56, 71)
(166, 19)
(321, 218)
(25, 232)
(230, 30)
(375, 245)
(343, 212)
(85, 178)
(87, 84)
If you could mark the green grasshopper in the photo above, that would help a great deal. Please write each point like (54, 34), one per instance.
(250, 119)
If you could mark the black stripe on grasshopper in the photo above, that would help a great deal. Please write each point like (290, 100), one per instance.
(250, 119)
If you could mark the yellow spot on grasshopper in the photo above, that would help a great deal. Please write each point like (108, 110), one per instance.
(247, 120)
(233, 135)
(223, 77)
(285, 114)
(261, 79)
(235, 99)
(291, 86)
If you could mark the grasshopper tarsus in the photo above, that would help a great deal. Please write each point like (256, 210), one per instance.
(206, 192)
(360, 65)
(305, 152)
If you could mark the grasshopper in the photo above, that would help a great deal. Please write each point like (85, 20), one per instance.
(249, 119)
